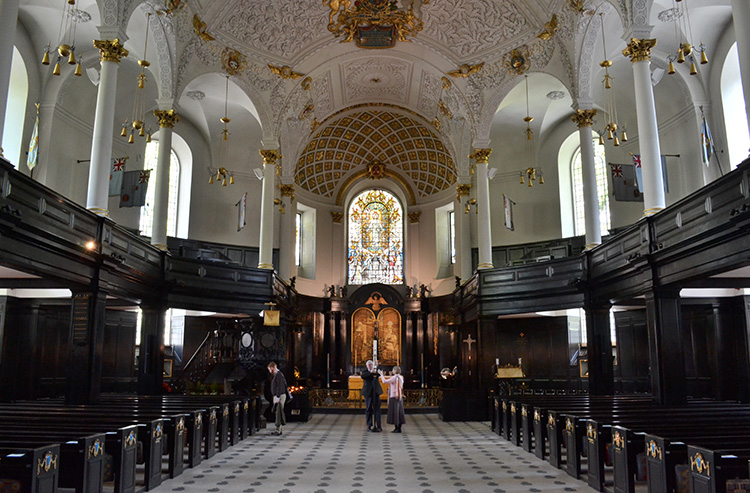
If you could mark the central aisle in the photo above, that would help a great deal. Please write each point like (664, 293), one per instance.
(335, 453)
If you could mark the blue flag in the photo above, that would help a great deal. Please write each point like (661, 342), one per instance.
(707, 143)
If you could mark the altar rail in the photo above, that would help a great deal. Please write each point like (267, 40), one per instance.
(352, 399)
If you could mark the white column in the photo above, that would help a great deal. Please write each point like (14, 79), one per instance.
(484, 232)
(110, 53)
(462, 267)
(741, 16)
(167, 120)
(639, 50)
(287, 236)
(265, 258)
(585, 119)
(8, 20)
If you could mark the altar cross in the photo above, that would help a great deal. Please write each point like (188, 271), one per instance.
(469, 341)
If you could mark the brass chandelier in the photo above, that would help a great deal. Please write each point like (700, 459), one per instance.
(686, 49)
(137, 123)
(610, 101)
(530, 172)
(66, 39)
(221, 173)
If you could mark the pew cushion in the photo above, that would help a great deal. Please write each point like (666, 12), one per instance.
(10, 486)
(108, 473)
(682, 478)
(738, 485)
(640, 469)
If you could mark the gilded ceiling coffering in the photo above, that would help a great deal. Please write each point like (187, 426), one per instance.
(345, 146)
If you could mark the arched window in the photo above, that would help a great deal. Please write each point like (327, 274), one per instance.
(15, 110)
(376, 237)
(733, 102)
(147, 211)
(602, 188)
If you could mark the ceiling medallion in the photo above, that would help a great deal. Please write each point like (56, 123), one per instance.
(376, 170)
(232, 61)
(79, 16)
(517, 61)
(196, 95)
(374, 23)
(669, 15)
(555, 95)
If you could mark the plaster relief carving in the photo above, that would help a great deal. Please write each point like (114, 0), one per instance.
(373, 79)
(323, 94)
(428, 93)
(469, 26)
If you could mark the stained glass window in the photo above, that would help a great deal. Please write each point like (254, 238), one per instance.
(376, 235)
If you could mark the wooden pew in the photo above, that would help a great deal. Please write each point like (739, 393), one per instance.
(710, 468)
(36, 470)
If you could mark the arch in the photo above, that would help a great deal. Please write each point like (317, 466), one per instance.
(375, 238)
(15, 109)
(733, 103)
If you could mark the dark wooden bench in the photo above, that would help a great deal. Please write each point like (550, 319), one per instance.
(35, 470)
(711, 468)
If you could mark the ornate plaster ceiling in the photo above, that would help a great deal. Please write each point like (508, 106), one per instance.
(341, 149)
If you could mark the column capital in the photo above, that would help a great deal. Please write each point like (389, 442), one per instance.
(167, 118)
(287, 191)
(584, 118)
(110, 50)
(481, 156)
(462, 189)
(639, 50)
(270, 156)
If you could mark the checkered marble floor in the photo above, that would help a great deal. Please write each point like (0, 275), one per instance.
(335, 453)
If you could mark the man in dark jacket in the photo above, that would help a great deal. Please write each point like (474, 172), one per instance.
(371, 391)
(278, 391)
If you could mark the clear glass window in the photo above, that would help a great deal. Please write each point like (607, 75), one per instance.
(147, 211)
(600, 163)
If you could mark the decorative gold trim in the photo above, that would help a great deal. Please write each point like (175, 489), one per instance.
(99, 212)
(350, 19)
(513, 408)
(414, 216)
(550, 420)
(270, 156)
(505, 406)
(265, 266)
(443, 107)
(591, 432)
(618, 440)
(376, 169)
(653, 450)
(337, 217)
(481, 156)
(199, 420)
(466, 70)
(462, 189)
(306, 83)
(651, 211)
(568, 424)
(225, 411)
(285, 72)
(200, 29)
(537, 416)
(700, 464)
(524, 411)
(549, 29)
(447, 84)
(167, 118)
(213, 416)
(158, 432)
(485, 265)
(356, 176)
(46, 463)
(287, 191)
(232, 61)
(130, 439)
(246, 406)
(590, 246)
(584, 118)
(95, 449)
(180, 426)
(160, 246)
(639, 50)
(516, 61)
(110, 50)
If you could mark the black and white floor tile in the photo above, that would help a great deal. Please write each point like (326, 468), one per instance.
(335, 453)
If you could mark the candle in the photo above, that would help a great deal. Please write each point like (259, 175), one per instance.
(328, 370)
(422, 358)
(497, 361)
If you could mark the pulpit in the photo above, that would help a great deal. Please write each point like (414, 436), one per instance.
(505, 378)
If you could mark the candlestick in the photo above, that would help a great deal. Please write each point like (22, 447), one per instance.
(328, 370)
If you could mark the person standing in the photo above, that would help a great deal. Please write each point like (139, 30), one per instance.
(395, 414)
(278, 391)
(371, 391)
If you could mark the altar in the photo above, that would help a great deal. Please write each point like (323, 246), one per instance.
(355, 388)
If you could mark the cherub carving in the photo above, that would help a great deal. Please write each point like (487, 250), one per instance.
(335, 6)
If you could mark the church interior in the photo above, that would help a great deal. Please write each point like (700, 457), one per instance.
(538, 209)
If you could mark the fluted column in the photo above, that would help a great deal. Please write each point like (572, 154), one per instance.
(110, 53)
(639, 51)
(462, 267)
(265, 258)
(585, 119)
(741, 17)
(167, 120)
(287, 236)
(484, 232)
(8, 20)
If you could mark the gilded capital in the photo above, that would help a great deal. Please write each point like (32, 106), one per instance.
(462, 189)
(584, 118)
(481, 156)
(110, 50)
(287, 191)
(270, 156)
(167, 118)
(639, 50)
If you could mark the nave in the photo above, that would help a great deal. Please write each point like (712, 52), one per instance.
(335, 453)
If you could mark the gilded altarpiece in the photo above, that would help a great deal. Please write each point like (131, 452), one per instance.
(364, 322)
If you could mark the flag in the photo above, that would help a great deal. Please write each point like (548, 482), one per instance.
(707, 143)
(639, 174)
(508, 205)
(33, 155)
(115, 175)
(623, 182)
(242, 212)
(134, 187)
